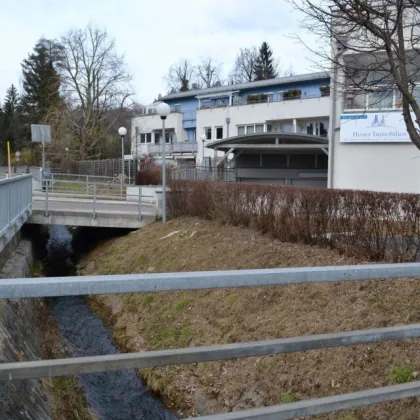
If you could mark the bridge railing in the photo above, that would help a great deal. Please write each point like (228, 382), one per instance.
(15, 205)
(67, 286)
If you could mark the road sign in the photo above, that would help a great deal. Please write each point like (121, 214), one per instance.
(41, 133)
(17, 156)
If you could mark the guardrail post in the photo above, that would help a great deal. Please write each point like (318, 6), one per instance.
(94, 202)
(139, 210)
(87, 184)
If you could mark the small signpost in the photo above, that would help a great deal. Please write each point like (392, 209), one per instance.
(41, 134)
(17, 159)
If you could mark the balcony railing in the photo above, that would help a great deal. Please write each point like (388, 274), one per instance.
(171, 148)
(239, 100)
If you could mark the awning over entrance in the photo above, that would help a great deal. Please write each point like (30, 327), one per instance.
(295, 159)
(271, 141)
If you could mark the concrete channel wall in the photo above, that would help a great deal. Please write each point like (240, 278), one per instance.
(20, 339)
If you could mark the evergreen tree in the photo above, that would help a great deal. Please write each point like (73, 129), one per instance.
(10, 119)
(265, 68)
(41, 82)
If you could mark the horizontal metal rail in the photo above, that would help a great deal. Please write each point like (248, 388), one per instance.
(83, 365)
(324, 405)
(131, 283)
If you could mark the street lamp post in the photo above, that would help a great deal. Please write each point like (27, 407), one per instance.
(203, 139)
(163, 110)
(122, 131)
(67, 159)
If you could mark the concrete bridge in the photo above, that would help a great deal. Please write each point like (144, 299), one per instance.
(73, 202)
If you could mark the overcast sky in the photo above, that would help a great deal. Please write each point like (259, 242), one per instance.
(153, 34)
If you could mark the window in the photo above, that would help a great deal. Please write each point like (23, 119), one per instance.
(250, 129)
(219, 133)
(207, 132)
(317, 128)
(148, 137)
(269, 128)
(176, 108)
(381, 99)
(259, 128)
(142, 138)
(241, 130)
(157, 138)
(356, 101)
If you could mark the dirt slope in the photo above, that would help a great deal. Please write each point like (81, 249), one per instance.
(179, 319)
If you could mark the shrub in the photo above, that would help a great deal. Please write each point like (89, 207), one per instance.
(365, 224)
(292, 94)
(262, 97)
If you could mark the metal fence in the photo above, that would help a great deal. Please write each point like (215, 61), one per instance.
(15, 205)
(90, 187)
(111, 168)
(191, 173)
(47, 287)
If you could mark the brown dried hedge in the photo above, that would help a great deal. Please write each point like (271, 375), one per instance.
(364, 224)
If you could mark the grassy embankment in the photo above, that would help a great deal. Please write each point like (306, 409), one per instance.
(194, 318)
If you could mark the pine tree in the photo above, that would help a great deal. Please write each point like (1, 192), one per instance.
(265, 67)
(41, 82)
(10, 121)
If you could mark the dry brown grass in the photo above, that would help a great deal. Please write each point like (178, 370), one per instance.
(178, 319)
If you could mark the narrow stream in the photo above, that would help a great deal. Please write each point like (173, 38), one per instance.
(118, 395)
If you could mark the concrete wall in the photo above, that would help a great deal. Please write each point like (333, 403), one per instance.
(20, 339)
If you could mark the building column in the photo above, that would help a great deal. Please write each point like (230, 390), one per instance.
(294, 125)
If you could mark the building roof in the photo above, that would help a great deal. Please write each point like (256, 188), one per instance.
(299, 78)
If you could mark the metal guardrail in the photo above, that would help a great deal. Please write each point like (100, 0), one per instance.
(172, 148)
(15, 205)
(84, 186)
(45, 287)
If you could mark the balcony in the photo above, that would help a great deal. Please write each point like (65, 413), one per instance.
(178, 148)
(286, 96)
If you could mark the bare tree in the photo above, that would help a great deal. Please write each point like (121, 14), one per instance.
(289, 71)
(243, 69)
(95, 85)
(375, 50)
(180, 76)
(208, 72)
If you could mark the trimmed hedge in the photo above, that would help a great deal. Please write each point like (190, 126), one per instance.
(363, 224)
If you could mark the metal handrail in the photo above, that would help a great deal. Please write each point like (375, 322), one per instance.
(66, 286)
(15, 205)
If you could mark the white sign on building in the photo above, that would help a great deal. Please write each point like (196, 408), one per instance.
(373, 127)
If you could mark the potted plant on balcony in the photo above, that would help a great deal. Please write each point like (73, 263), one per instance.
(292, 94)
(325, 90)
(253, 99)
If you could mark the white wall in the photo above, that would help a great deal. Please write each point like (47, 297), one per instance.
(316, 108)
(377, 167)
(148, 123)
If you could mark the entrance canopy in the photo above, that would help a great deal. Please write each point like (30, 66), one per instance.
(271, 142)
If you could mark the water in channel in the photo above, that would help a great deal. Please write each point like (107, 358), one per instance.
(118, 395)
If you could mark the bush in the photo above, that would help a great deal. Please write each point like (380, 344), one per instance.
(262, 97)
(364, 224)
(152, 176)
(292, 94)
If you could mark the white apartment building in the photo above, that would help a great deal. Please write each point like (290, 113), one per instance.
(272, 131)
